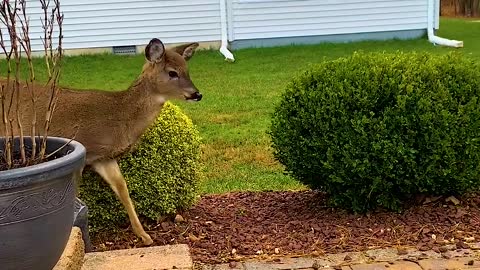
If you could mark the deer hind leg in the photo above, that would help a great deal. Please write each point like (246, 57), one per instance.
(110, 172)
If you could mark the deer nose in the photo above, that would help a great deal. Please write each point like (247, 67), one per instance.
(198, 96)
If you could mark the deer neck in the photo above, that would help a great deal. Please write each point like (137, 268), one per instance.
(140, 97)
(141, 106)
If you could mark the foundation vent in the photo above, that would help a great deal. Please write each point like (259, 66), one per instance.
(124, 50)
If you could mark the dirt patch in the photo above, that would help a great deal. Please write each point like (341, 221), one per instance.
(260, 155)
(228, 227)
(223, 157)
(224, 118)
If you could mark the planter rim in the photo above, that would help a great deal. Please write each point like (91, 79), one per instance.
(38, 173)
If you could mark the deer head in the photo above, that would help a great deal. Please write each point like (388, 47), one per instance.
(167, 71)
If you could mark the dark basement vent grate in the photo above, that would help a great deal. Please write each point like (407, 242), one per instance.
(124, 50)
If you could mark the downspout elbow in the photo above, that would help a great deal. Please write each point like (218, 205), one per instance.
(443, 41)
(431, 35)
(228, 55)
(223, 47)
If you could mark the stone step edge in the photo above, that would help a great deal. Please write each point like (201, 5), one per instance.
(163, 257)
(348, 259)
(74, 252)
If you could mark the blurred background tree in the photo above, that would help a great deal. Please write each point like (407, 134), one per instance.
(462, 8)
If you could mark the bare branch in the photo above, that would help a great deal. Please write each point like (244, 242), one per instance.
(6, 89)
(26, 44)
(18, 55)
(54, 57)
(8, 142)
(14, 18)
(46, 32)
(63, 146)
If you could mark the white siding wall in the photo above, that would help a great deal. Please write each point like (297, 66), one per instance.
(105, 23)
(253, 19)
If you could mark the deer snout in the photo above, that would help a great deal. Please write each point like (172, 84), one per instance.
(196, 96)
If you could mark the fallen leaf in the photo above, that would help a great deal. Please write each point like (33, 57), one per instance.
(179, 219)
(453, 200)
(469, 239)
(193, 238)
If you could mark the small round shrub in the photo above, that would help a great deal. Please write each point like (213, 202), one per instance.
(162, 174)
(374, 129)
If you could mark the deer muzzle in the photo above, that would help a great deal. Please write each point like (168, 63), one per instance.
(197, 96)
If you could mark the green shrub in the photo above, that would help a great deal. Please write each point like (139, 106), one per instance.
(374, 129)
(161, 173)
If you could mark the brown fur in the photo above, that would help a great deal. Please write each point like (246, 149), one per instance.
(108, 124)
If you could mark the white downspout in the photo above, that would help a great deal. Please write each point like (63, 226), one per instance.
(431, 36)
(223, 19)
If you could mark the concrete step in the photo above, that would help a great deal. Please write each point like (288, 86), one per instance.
(149, 258)
(74, 252)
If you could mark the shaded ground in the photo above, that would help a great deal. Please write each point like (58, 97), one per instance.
(297, 223)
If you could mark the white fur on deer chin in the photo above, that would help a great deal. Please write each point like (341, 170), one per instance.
(160, 99)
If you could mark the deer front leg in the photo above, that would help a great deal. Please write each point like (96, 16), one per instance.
(110, 172)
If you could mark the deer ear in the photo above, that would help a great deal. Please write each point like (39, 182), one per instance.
(186, 50)
(155, 50)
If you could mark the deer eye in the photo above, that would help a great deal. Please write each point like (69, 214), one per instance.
(173, 74)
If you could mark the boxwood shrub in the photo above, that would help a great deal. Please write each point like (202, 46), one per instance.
(374, 129)
(161, 173)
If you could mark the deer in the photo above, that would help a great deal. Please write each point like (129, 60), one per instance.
(110, 124)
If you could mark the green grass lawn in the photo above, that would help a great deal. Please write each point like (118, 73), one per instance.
(238, 99)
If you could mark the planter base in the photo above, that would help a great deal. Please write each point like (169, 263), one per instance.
(80, 218)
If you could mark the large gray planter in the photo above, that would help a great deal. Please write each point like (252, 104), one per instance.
(37, 208)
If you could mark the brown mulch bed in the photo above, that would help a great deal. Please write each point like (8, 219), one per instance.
(299, 223)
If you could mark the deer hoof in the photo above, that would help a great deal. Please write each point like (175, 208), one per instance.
(147, 240)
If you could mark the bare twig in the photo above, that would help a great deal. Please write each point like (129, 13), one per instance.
(12, 13)
(13, 18)
(54, 58)
(61, 147)
(9, 14)
(7, 143)
(6, 88)
(46, 33)
(26, 44)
